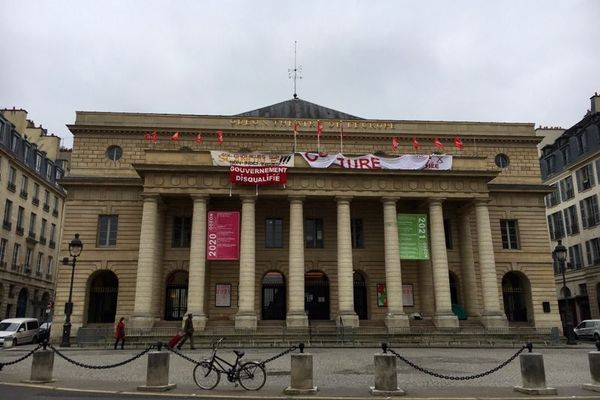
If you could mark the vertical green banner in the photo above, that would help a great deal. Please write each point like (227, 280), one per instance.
(412, 236)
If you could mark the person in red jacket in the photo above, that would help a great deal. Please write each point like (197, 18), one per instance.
(120, 333)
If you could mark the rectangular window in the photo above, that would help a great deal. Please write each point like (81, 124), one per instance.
(585, 178)
(581, 143)
(553, 198)
(49, 168)
(556, 226)
(3, 246)
(12, 177)
(32, 223)
(28, 257)
(510, 233)
(589, 211)
(46, 200)
(182, 232)
(52, 232)
(592, 248)
(356, 226)
(43, 229)
(38, 162)
(38, 265)
(571, 220)
(20, 218)
(575, 256)
(49, 266)
(26, 152)
(566, 188)
(36, 194)
(24, 186)
(274, 233)
(313, 233)
(6, 221)
(107, 230)
(14, 143)
(448, 233)
(15, 257)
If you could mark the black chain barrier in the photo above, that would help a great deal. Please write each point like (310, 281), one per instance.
(283, 353)
(18, 360)
(180, 354)
(458, 378)
(88, 366)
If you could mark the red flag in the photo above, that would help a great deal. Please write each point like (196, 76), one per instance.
(219, 137)
(437, 143)
(395, 143)
(175, 136)
(198, 139)
(415, 143)
(319, 128)
(458, 143)
(296, 128)
(147, 137)
(154, 136)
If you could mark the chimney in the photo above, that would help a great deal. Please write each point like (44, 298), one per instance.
(595, 99)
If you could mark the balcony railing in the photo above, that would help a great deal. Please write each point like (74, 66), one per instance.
(7, 225)
(20, 230)
(46, 207)
(23, 194)
(55, 212)
(27, 270)
(12, 187)
(35, 201)
(52, 244)
(42, 240)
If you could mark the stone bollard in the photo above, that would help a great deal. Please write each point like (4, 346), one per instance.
(533, 374)
(42, 367)
(594, 358)
(386, 375)
(7, 343)
(301, 374)
(157, 376)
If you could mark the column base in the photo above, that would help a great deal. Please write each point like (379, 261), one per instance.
(376, 392)
(162, 388)
(141, 322)
(246, 322)
(591, 386)
(349, 320)
(199, 322)
(292, 391)
(494, 321)
(445, 321)
(546, 390)
(296, 321)
(397, 323)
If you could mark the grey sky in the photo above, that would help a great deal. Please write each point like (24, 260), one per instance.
(513, 61)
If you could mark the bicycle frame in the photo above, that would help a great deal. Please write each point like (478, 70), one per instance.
(216, 363)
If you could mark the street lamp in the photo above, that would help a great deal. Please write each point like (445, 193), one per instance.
(560, 254)
(75, 248)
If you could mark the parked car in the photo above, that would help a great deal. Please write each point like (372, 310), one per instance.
(589, 328)
(19, 330)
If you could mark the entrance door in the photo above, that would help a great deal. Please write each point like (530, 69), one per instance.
(273, 296)
(177, 292)
(316, 295)
(22, 304)
(513, 292)
(104, 290)
(360, 295)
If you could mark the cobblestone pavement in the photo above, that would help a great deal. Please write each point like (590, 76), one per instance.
(337, 372)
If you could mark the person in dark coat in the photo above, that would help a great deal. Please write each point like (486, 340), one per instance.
(188, 330)
(120, 333)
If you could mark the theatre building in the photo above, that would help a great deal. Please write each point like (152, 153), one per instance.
(296, 214)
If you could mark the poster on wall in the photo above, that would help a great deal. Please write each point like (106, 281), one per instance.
(381, 295)
(412, 236)
(223, 295)
(223, 235)
(408, 298)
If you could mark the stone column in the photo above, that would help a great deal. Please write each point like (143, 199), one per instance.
(296, 317)
(425, 276)
(142, 316)
(395, 318)
(492, 316)
(246, 317)
(198, 262)
(468, 265)
(443, 318)
(346, 315)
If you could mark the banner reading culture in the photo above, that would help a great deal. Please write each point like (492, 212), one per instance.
(412, 236)
(437, 162)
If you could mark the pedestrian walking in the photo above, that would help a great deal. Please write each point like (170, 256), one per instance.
(188, 330)
(120, 333)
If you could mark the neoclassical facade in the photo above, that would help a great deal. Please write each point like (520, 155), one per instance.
(326, 246)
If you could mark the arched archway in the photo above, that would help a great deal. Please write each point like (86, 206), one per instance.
(104, 290)
(360, 295)
(177, 294)
(316, 295)
(273, 296)
(516, 293)
(22, 303)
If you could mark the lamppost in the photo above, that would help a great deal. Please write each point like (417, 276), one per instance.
(75, 248)
(560, 254)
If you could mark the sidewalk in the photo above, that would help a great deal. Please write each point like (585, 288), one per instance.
(338, 373)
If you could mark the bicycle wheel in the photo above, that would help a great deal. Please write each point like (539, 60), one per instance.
(205, 376)
(252, 375)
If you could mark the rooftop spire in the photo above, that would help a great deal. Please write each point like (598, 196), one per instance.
(295, 73)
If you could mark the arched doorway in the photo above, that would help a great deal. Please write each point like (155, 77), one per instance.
(515, 292)
(273, 296)
(22, 304)
(177, 290)
(316, 295)
(360, 295)
(104, 290)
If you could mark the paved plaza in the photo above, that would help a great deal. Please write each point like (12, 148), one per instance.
(338, 372)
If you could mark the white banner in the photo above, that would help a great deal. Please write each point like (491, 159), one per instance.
(225, 159)
(371, 161)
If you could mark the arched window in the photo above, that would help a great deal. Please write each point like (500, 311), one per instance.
(360, 295)
(177, 294)
(316, 295)
(104, 290)
(273, 296)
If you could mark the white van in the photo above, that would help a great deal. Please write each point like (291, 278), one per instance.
(19, 330)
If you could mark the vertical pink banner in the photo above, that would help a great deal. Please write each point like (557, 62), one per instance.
(223, 235)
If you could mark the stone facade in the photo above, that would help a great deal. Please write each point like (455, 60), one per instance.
(154, 186)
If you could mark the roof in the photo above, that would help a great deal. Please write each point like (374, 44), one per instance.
(297, 108)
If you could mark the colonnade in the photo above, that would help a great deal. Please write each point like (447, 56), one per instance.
(433, 274)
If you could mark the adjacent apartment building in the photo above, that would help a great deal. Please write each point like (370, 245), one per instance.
(570, 164)
(32, 203)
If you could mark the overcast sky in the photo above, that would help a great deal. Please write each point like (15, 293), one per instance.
(506, 61)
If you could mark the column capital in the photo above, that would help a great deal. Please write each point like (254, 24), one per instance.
(247, 198)
(153, 197)
(296, 197)
(435, 200)
(199, 196)
(394, 200)
(481, 202)
(343, 198)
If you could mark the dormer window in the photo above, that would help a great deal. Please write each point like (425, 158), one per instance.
(14, 142)
(38, 162)
(49, 168)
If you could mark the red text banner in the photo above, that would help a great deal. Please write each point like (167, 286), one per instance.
(223, 235)
(251, 175)
(442, 162)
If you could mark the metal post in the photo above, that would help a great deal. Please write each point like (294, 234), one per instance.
(66, 337)
(568, 322)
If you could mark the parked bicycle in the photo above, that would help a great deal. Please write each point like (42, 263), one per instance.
(207, 374)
